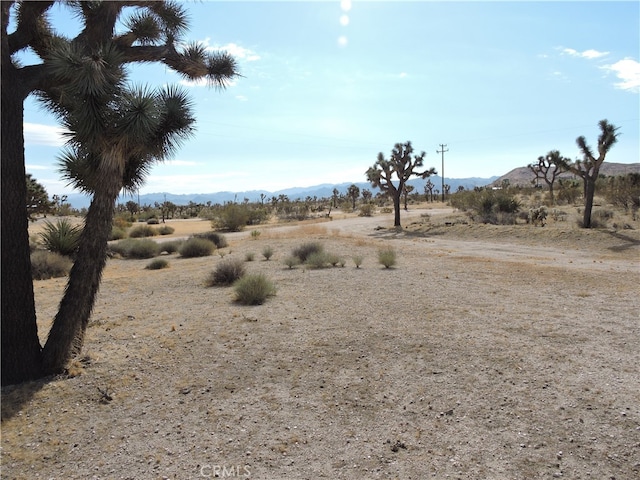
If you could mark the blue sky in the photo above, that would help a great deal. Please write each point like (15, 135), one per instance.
(328, 85)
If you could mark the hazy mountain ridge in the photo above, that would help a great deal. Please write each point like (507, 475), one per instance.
(517, 176)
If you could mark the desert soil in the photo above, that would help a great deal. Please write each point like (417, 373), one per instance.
(487, 352)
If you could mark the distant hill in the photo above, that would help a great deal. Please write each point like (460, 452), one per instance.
(294, 193)
(524, 177)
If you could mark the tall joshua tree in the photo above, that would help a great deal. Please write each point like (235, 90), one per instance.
(94, 61)
(589, 167)
(548, 168)
(402, 164)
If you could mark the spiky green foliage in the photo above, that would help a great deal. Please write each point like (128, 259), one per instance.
(61, 237)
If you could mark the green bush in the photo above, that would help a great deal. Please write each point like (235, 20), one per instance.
(291, 261)
(267, 252)
(136, 248)
(171, 247)
(226, 273)
(387, 257)
(45, 265)
(61, 237)
(232, 217)
(142, 231)
(219, 240)
(157, 264)
(303, 251)
(255, 234)
(487, 206)
(196, 247)
(253, 289)
(117, 233)
(166, 230)
(317, 260)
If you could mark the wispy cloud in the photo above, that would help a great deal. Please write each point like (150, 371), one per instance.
(38, 134)
(628, 71)
(588, 54)
(29, 167)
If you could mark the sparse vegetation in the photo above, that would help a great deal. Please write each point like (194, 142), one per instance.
(357, 260)
(142, 231)
(166, 230)
(255, 234)
(45, 265)
(387, 257)
(267, 252)
(291, 261)
(226, 273)
(61, 237)
(318, 259)
(136, 248)
(218, 239)
(196, 247)
(249, 257)
(117, 233)
(157, 264)
(254, 289)
(306, 249)
(171, 247)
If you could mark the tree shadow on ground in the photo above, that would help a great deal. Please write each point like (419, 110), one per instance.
(15, 397)
(630, 242)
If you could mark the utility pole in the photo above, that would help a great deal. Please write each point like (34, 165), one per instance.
(442, 150)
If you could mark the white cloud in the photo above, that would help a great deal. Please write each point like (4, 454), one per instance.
(29, 167)
(628, 71)
(233, 49)
(588, 54)
(38, 134)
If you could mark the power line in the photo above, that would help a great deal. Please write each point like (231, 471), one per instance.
(442, 150)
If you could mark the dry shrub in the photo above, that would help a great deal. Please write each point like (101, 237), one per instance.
(136, 248)
(142, 231)
(226, 273)
(306, 249)
(254, 289)
(387, 257)
(45, 265)
(196, 247)
(157, 264)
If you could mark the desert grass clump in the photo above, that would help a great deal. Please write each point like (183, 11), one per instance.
(317, 260)
(45, 265)
(166, 230)
(157, 264)
(255, 234)
(117, 233)
(226, 273)
(267, 252)
(387, 257)
(171, 247)
(291, 261)
(333, 259)
(196, 247)
(61, 237)
(249, 257)
(254, 289)
(357, 260)
(306, 249)
(218, 239)
(136, 248)
(142, 231)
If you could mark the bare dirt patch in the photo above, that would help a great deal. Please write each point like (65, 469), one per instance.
(487, 352)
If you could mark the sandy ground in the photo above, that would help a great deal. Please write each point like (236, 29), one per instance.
(486, 353)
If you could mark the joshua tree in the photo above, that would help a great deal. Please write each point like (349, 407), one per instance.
(548, 168)
(589, 167)
(428, 190)
(353, 192)
(401, 164)
(405, 195)
(99, 159)
(37, 198)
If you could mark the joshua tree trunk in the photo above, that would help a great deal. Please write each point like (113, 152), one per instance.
(21, 359)
(69, 326)
(589, 193)
(396, 208)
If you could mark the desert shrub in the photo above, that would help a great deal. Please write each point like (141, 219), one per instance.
(366, 210)
(171, 247)
(196, 247)
(142, 231)
(291, 261)
(226, 273)
(249, 257)
(166, 230)
(153, 221)
(387, 257)
(117, 233)
(487, 206)
(232, 217)
(45, 265)
(267, 252)
(157, 264)
(306, 249)
(317, 260)
(122, 222)
(253, 289)
(255, 234)
(61, 237)
(357, 260)
(333, 259)
(219, 240)
(136, 248)
(386, 210)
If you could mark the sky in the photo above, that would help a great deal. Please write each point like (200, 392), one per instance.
(327, 85)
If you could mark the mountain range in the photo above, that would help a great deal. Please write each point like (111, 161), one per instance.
(518, 176)
(324, 190)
